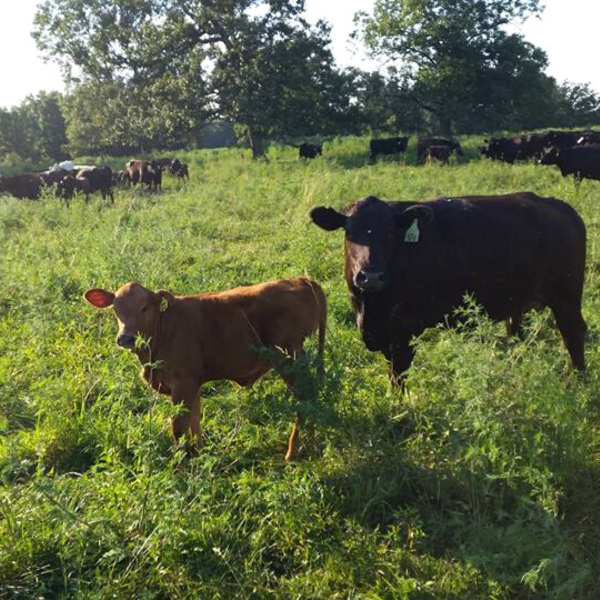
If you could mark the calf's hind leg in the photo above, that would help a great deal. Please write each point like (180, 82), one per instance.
(292, 372)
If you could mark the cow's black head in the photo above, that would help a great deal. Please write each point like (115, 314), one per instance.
(373, 230)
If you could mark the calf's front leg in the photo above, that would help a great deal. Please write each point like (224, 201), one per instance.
(187, 422)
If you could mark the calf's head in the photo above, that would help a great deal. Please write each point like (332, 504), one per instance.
(373, 231)
(137, 310)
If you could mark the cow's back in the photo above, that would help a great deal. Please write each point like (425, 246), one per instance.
(509, 251)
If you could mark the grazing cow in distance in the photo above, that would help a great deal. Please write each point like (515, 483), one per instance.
(591, 138)
(181, 172)
(410, 264)
(139, 172)
(52, 177)
(439, 153)
(145, 173)
(393, 145)
(306, 150)
(164, 163)
(568, 139)
(204, 337)
(70, 184)
(522, 147)
(26, 186)
(425, 143)
(583, 162)
(120, 178)
(99, 179)
(156, 172)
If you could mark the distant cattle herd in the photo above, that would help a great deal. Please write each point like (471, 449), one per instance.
(408, 266)
(68, 179)
(576, 153)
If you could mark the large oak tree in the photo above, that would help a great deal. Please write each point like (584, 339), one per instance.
(255, 62)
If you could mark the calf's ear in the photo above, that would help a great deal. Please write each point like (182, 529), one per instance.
(327, 218)
(164, 299)
(99, 298)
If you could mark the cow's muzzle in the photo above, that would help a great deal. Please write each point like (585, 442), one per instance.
(371, 281)
(126, 341)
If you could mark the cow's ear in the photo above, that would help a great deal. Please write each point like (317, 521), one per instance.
(327, 218)
(165, 299)
(99, 298)
(423, 214)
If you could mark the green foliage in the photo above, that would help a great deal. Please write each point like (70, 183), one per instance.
(34, 130)
(480, 482)
(465, 69)
(255, 63)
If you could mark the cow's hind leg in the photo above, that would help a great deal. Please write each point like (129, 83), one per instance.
(573, 329)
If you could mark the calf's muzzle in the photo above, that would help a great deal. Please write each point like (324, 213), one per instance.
(126, 341)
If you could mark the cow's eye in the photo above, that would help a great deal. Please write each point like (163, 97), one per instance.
(144, 309)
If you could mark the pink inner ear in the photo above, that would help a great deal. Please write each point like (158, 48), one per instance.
(99, 298)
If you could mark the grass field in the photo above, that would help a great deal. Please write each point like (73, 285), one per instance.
(482, 481)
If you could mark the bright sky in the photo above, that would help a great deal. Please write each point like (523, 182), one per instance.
(567, 32)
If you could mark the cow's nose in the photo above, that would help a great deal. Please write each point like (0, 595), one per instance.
(371, 281)
(126, 341)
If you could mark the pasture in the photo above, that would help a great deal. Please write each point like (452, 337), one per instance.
(481, 481)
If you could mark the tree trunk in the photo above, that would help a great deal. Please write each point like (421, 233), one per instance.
(256, 143)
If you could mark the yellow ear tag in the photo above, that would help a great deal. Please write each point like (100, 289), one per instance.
(164, 304)
(412, 234)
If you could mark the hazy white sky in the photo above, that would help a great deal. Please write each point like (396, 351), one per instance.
(567, 32)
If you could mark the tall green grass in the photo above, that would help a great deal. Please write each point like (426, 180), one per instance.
(480, 482)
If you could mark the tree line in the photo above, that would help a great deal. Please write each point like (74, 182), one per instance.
(175, 73)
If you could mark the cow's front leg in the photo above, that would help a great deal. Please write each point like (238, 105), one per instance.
(187, 422)
(402, 356)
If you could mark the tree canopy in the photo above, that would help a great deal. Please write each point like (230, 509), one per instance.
(464, 64)
(255, 62)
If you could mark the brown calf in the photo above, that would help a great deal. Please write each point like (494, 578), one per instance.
(190, 340)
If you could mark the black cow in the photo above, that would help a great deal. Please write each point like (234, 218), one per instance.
(583, 162)
(439, 153)
(522, 147)
(567, 139)
(174, 166)
(410, 264)
(425, 143)
(69, 185)
(100, 180)
(181, 172)
(590, 138)
(26, 185)
(155, 171)
(306, 150)
(393, 145)
(52, 177)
